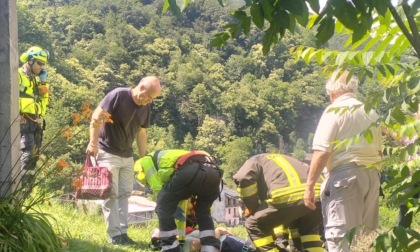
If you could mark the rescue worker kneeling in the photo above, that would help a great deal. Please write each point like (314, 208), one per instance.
(271, 187)
(177, 175)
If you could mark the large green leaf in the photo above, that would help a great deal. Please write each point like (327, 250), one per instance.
(233, 29)
(270, 37)
(296, 7)
(174, 7)
(314, 5)
(244, 22)
(325, 31)
(415, 7)
(401, 235)
(220, 39)
(398, 115)
(347, 14)
(283, 19)
(358, 34)
(257, 14)
(367, 57)
(414, 84)
(381, 6)
(268, 10)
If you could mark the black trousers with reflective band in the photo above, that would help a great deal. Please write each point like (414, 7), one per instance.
(192, 179)
(298, 216)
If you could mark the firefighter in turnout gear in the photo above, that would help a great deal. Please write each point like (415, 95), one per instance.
(33, 101)
(176, 176)
(271, 187)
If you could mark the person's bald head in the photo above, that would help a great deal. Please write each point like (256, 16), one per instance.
(148, 89)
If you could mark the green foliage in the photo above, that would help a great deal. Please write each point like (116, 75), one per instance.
(26, 230)
(233, 154)
(212, 134)
(299, 150)
(22, 226)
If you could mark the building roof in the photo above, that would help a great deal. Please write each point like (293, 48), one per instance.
(230, 192)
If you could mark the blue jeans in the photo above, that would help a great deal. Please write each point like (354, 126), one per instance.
(115, 208)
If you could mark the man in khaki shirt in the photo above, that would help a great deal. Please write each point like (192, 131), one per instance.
(351, 195)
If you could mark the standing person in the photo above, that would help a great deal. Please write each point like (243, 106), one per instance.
(351, 195)
(121, 117)
(176, 176)
(271, 187)
(33, 101)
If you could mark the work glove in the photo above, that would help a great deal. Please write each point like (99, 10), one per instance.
(179, 214)
(43, 75)
(247, 213)
(43, 89)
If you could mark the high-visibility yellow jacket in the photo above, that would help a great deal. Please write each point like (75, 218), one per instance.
(156, 168)
(30, 100)
(274, 178)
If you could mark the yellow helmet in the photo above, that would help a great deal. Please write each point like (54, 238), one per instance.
(35, 52)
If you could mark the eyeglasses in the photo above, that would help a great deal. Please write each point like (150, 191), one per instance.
(40, 63)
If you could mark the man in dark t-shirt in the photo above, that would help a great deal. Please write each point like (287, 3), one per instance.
(121, 117)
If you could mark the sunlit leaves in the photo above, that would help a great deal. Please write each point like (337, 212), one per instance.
(244, 21)
(220, 39)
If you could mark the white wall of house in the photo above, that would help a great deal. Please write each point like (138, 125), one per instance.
(227, 210)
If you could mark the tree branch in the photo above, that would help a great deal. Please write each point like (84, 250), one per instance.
(403, 28)
(413, 27)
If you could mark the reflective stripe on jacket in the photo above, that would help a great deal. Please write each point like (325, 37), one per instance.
(156, 168)
(275, 178)
(30, 102)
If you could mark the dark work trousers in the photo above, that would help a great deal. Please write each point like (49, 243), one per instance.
(30, 145)
(192, 179)
(261, 224)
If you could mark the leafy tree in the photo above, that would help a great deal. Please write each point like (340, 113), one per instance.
(233, 154)
(188, 142)
(212, 133)
(299, 150)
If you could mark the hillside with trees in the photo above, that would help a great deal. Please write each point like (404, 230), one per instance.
(231, 101)
(263, 91)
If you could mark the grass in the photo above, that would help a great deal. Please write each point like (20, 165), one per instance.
(85, 231)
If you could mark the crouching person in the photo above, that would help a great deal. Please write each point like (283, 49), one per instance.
(271, 187)
(177, 175)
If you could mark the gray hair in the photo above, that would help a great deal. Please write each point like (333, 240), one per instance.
(341, 85)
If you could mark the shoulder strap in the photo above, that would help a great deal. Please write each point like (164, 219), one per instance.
(181, 160)
(154, 159)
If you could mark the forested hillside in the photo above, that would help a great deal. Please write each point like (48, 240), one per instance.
(231, 101)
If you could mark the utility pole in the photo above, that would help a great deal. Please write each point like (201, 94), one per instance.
(9, 98)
